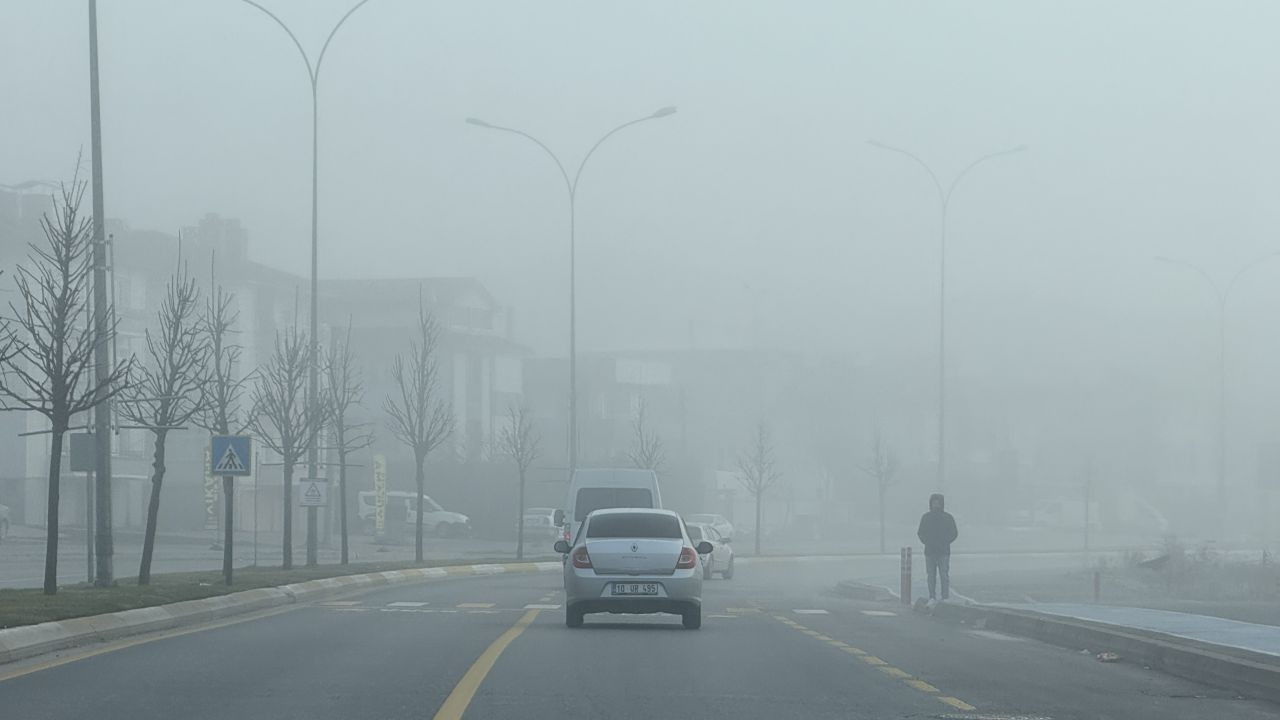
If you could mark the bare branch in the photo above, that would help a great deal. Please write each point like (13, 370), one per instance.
(420, 417)
(757, 467)
(646, 447)
(518, 439)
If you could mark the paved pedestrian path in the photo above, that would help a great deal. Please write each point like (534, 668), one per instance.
(1204, 628)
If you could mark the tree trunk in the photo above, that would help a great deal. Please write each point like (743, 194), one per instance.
(342, 497)
(418, 479)
(51, 522)
(520, 522)
(287, 549)
(153, 510)
(759, 530)
(881, 501)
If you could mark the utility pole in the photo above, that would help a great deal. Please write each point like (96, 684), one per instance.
(103, 545)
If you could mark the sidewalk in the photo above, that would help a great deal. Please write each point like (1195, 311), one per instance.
(1234, 634)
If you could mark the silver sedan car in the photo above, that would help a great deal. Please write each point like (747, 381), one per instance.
(635, 561)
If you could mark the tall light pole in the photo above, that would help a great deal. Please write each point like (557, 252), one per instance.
(1222, 295)
(571, 185)
(104, 549)
(944, 206)
(313, 74)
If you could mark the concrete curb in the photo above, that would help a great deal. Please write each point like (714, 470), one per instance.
(26, 641)
(1249, 673)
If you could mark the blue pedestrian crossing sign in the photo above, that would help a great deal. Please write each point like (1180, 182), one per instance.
(231, 455)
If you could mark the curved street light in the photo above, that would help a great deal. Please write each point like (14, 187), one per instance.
(944, 204)
(313, 74)
(1222, 294)
(571, 185)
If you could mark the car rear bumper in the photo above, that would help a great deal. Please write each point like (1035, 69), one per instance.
(589, 592)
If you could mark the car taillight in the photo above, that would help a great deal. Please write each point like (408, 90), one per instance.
(688, 559)
(580, 558)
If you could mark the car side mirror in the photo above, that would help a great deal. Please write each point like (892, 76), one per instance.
(558, 518)
(562, 547)
(704, 548)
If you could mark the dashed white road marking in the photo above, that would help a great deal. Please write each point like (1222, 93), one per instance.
(406, 604)
(476, 605)
(730, 617)
(878, 613)
(541, 606)
(801, 611)
(992, 635)
(341, 603)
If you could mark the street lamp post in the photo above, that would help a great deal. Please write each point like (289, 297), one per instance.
(571, 185)
(1222, 295)
(944, 205)
(313, 74)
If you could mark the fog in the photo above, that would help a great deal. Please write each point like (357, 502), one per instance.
(758, 217)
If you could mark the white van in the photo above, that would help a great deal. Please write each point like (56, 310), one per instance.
(597, 489)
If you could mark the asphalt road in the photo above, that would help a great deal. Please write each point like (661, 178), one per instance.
(773, 644)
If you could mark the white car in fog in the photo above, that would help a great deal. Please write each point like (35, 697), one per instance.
(720, 559)
(635, 561)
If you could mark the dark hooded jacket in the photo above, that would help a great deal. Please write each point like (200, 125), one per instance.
(937, 529)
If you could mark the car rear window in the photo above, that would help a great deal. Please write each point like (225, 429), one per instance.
(590, 499)
(639, 525)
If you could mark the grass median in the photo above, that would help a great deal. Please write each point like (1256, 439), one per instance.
(32, 606)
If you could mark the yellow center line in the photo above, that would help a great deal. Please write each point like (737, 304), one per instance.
(922, 686)
(957, 703)
(895, 672)
(456, 704)
(873, 660)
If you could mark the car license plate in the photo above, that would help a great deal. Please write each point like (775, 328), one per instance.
(635, 589)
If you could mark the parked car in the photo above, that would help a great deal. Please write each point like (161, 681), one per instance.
(401, 515)
(539, 522)
(4, 522)
(720, 559)
(719, 522)
(633, 561)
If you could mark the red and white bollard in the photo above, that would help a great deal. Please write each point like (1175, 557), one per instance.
(905, 588)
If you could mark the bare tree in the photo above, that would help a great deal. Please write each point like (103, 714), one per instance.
(419, 416)
(166, 391)
(220, 412)
(282, 418)
(646, 450)
(48, 366)
(519, 441)
(345, 390)
(758, 470)
(881, 466)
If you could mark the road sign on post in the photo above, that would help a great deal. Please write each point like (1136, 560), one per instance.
(232, 455)
(313, 492)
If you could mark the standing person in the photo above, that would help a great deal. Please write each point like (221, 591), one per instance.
(937, 532)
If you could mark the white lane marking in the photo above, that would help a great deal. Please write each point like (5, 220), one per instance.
(406, 604)
(541, 606)
(991, 635)
(341, 603)
(476, 605)
(731, 617)
(350, 609)
(878, 613)
(810, 612)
